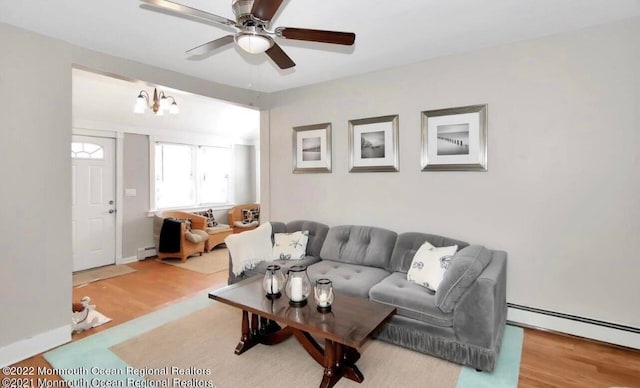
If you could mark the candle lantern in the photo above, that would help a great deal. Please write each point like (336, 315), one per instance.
(323, 295)
(273, 281)
(298, 286)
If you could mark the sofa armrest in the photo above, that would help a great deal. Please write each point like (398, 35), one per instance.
(479, 316)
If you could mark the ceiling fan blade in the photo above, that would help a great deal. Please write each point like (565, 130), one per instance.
(280, 57)
(210, 46)
(333, 37)
(192, 13)
(265, 9)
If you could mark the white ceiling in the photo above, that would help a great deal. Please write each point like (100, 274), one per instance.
(389, 33)
(101, 102)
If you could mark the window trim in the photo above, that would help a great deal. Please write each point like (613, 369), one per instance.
(153, 208)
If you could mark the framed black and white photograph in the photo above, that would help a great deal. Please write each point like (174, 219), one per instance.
(373, 144)
(312, 148)
(455, 139)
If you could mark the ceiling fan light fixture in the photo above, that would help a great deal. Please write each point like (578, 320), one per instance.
(253, 44)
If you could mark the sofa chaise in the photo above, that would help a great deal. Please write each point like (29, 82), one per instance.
(462, 322)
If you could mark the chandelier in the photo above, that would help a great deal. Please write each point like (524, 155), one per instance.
(160, 103)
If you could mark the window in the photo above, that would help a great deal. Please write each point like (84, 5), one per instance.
(188, 175)
(86, 151)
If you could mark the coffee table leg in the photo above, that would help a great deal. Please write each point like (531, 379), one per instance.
(254, 325)
(246, 340)
(268, 326)
(331, 375)
(348, 357)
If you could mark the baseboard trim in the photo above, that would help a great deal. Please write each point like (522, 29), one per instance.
(626, 336)
(31, 346)
(149, 252)
(127, 260)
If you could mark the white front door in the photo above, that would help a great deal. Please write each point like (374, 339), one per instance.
(93, 201)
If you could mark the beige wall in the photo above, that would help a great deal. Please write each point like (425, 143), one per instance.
(244, 166)
(137, 227)
(35, 194)
(561, 194)
(35, 197)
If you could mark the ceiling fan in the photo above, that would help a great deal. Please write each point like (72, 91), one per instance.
(252, 26)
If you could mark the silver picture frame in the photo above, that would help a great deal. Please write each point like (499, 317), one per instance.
(454, 139)
(374, 144)
(312, 148)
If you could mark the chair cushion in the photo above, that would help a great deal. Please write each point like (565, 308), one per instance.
(351, 279)
(220, 228)
(196, 235)
(211, 219)
(464, 269)
(250, 215)
(410, 300)
(366, 245)
(242, 224)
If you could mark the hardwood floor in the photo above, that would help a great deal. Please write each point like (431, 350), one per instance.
(548, 360)
(552, 360)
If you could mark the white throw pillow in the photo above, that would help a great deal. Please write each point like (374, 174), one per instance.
(429, 265)
(249, 248)
(290, 246)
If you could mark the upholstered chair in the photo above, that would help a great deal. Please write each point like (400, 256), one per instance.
(244, 217)
(185, 242)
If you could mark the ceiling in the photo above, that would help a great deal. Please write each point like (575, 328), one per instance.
(108, 103)
(389, 33)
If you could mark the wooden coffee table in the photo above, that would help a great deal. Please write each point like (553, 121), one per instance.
(344, 330)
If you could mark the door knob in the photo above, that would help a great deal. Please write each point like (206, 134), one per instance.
(111, 211)
(111, 202)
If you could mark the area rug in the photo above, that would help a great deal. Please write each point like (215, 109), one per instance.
(100, 273)
(215, 261)
(192, 341)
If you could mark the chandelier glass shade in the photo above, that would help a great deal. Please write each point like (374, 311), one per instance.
(159, 104)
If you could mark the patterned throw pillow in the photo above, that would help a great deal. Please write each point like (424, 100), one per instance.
(208, 214)
(250, 215)
(290, 246)
(429, 265)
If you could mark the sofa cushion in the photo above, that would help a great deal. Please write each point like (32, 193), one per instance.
(365, 245)
(355, 280)
(429, 265)
(410, 300)
(408, 244)
(317, 234)
(290, 246)
(464, 269)
(261, 268)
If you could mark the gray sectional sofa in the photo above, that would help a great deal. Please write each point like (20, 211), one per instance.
(463, 322)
